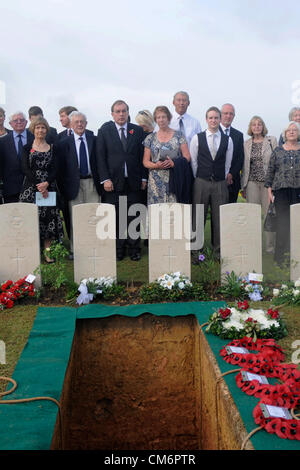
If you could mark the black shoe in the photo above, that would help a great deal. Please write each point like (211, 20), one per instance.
(135, 257)
(120, 257)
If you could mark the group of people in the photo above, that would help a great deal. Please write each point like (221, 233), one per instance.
(164, 157)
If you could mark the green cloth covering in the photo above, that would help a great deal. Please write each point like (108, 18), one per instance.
(42, 366)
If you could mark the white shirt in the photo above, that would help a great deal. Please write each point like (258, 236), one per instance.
(125, 133)
(191, 125)
(209, 136)
(77, 144)
(224, 129)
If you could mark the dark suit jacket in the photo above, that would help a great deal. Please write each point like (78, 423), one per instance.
(68, 177)
(237, 157)
(10, 164)
(111, 156)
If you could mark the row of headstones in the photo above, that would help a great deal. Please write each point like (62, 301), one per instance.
(169, 233)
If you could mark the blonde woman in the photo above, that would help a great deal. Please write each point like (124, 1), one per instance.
(145, 119)
(258, 150)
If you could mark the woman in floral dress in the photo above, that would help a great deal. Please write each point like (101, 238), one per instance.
(38, 166)
(161, 149)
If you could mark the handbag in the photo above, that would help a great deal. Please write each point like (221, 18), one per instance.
(270, 220)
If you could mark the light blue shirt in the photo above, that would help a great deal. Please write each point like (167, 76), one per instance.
(16, 138)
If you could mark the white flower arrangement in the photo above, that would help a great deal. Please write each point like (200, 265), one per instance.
(287, 293)
(173, 280)
(235, 322)
(91, 286)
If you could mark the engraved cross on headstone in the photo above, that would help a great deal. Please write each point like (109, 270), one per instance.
(17, 259)
(94, 258)
(242, 256)
(170, 256)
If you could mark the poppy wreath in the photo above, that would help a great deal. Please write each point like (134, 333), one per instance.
(286, 394)
(284, 428)
(266, 361)
(266, 353)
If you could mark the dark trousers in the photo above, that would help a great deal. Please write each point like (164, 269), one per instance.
(11, 198)
(284, 198)
(124, 240)
(212, 194)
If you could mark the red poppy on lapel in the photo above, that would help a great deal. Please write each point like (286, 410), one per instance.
(131, 131)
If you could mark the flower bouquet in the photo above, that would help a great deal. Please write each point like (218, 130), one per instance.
(235, 323)
(287, 294)
(172, 287)
(238, 287)
(91, 287)
(174, 281)
(12, 291)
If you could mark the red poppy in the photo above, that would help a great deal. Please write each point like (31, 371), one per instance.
(243, 305)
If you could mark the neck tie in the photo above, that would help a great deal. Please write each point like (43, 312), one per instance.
(123, 139)
(20, 146)
(213, 146)
(181, 126)
(227, 131)
(83, 158)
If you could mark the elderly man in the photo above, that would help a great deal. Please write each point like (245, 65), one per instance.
(227, 116)
(211, 156)
(181, 120)
(33, 113)
(120, 159)
(78, 178)
(11, 149)
(64, 117)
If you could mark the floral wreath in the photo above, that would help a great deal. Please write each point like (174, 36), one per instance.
(284, 428)
(285, 394)
(267, 349)
(266, 361)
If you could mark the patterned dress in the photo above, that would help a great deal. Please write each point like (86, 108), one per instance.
(39, 167)
(158, 180)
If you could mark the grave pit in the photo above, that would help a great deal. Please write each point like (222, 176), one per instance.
(139, 384)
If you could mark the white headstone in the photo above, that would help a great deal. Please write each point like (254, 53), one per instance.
(241, 238)
(169, 239)
(94, 241)
(295, 242)
(19, 241)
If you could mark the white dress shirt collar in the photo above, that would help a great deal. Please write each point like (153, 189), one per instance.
(223, 128)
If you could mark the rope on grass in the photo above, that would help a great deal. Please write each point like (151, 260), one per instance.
(31, 399)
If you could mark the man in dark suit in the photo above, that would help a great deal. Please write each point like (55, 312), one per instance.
(227, 116)
(64, 117)
(33, 113)
(78, 177)
(11, 149)
(120, 162)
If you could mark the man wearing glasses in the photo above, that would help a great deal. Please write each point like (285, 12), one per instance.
(11, 149)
